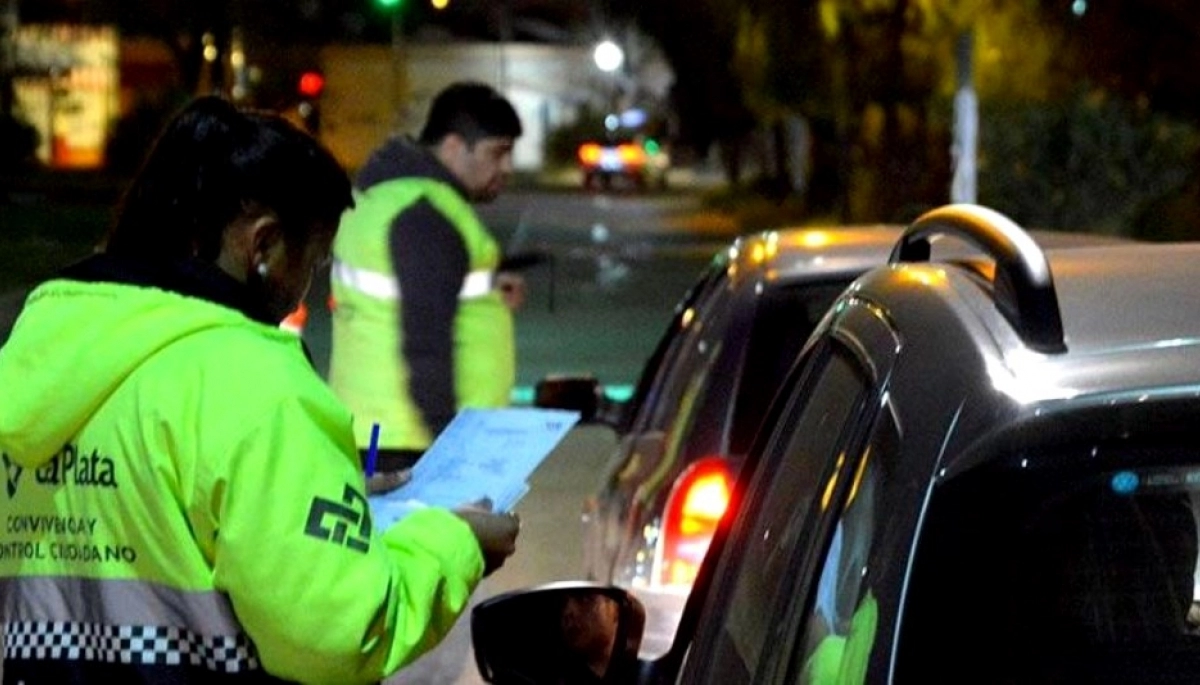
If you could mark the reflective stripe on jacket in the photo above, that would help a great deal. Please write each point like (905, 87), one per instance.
(367, 370)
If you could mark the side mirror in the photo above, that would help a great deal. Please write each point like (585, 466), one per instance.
(574, 393)
(575, 632)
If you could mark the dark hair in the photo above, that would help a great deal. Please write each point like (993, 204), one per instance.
(211, 163)
(473, 111)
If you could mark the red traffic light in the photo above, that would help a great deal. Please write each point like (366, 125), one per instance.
(311, 84)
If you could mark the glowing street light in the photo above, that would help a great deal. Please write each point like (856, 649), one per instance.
(608, 56)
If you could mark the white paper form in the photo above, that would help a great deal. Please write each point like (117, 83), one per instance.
(482, 453)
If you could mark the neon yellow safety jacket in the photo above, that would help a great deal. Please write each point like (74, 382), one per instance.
(367, 370)
(183, 503)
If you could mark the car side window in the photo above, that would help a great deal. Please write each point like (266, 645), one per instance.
(669, 347)
(785, 319)
(698, 348)
(839, 627)
(1089, 560)
(793, 478)
(685, 355)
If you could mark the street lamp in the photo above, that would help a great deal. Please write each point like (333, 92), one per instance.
(608, 56)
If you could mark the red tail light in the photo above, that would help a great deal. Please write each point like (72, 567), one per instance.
(694, 508)
(589, 154)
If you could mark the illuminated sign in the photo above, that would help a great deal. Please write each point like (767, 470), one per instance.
(68, 89)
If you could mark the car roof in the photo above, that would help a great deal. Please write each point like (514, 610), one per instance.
(1031, 346)
(1126, 326)
(809, 253)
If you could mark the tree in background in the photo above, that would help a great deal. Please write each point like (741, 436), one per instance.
(1088, 161)
(1111, 145)
(875, 81)
(866, 77)
(895, 67)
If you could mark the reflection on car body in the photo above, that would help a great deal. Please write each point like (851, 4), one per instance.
(980, 470)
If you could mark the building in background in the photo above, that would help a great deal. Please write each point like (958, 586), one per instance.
(368, 96)
(67, 86)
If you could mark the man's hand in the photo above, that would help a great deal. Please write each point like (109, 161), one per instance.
(496, 533)
(512, 289)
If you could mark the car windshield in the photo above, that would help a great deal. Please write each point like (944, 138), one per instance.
(1080, 571)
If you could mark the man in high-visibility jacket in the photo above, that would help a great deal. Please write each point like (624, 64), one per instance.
(422, 323)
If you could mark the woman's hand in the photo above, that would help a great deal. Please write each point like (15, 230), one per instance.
(496, 533)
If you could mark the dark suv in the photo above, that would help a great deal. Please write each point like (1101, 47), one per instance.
(979, 470)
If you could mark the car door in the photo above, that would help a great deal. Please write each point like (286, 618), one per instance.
(765, 573)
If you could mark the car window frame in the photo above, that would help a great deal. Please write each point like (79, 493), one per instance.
(884, 427)
(669, 666)
(793, 395)
(691, 637)
(815, 533)
(644, 424)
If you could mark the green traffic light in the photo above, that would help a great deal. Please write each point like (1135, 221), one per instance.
(651, 145)
(388, 4)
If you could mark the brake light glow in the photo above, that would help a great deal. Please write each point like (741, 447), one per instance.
(631, 155)
(694, 508)
(589, 153)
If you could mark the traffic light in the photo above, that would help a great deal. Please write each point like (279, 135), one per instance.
(311, 84)
(309, 88)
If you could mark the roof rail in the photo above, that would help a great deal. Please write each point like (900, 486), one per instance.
(1023, 285)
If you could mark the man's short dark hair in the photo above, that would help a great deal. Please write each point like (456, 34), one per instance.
(471, 110)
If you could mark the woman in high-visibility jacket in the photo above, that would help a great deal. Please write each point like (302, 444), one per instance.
(183, 499)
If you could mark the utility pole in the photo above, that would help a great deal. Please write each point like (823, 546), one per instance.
(963, 150)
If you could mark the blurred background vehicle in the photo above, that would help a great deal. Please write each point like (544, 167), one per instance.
(981, 465)
(638, 163)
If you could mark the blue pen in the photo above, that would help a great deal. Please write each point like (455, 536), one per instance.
(372, 451)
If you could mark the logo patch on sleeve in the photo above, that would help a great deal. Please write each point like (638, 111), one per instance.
(346, 523)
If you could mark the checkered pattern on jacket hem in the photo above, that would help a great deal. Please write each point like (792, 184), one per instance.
(146, 645)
